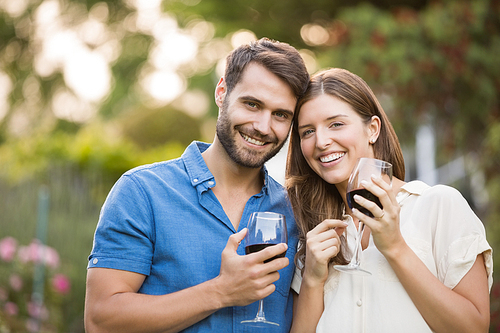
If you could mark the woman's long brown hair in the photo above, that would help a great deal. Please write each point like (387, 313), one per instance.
(313, 199)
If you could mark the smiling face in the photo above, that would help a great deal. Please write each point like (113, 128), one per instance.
(333, 137)
(256, 116)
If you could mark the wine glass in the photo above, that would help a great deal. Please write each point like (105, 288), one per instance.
(364, 169)
(264, 229)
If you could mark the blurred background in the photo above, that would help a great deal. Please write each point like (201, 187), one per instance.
(90, 89)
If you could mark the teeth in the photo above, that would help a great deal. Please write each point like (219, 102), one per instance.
(331, 157)
(251, 140)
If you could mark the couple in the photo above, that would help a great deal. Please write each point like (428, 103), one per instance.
(166, 254)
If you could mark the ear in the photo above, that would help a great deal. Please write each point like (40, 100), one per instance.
(374, 129)
(220, 92)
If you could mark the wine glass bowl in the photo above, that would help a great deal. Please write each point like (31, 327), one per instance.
(363, 171)
(264, 229)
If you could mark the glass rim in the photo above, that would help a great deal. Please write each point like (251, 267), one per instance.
(268, 215)
(376, 161)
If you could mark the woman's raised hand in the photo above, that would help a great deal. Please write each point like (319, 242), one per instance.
(384, 225)
(322, 243)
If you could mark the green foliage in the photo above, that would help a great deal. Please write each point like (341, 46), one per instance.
(439, 64)
(94, 147)
(281, 20)
(153, 127)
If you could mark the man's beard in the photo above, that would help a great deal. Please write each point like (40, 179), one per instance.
(243, 156)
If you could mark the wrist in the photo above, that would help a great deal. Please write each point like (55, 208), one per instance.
(396, 251)
(216, 296)
(313, 281)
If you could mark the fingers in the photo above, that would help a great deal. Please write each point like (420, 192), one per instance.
(246, 278)
(383, 191)
(324, 240)
(235, 239)
(329, 224)
(270, 254)
(322, 244)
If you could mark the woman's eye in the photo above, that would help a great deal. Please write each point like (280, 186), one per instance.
(336, 124)
(306, 132)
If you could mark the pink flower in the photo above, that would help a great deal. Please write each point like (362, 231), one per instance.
(37, 310)
(38, 253)
(61, 284)
(8, 247)
(3, 295)
(11, 309)
(16, 282)
(51, 257)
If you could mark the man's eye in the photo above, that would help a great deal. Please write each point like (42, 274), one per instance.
(252, 104)
(282, 114)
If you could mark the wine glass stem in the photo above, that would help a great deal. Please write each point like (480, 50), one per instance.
(260, 313)
(357, 250)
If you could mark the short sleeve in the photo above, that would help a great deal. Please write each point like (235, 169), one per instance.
(297, 280)
(461, 256)
(459, 235)
(297, 276)
(124, 234)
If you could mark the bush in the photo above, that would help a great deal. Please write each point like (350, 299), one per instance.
(32, 290)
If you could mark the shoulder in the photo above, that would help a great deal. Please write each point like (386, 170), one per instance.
(436, 193)
(275, 190)
(442, 195)
(157, 169)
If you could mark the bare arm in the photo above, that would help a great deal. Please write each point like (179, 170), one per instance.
(322, 243)
(463, 309)
(113, 305)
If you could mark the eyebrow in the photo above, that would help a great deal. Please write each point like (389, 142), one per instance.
(327, 119)
(258, 101)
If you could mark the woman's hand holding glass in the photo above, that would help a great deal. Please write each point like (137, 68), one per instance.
(384, 225)
(322, 244)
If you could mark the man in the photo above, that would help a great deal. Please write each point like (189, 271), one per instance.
(166, 253)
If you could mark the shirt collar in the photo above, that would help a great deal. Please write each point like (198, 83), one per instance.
(415, 187)
(197, 169)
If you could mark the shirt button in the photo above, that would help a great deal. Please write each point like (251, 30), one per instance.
(359, 302)
(195, 180)
(95, 261)
(211, 183)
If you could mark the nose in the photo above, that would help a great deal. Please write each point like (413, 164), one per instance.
(323, 140)
(262, 123)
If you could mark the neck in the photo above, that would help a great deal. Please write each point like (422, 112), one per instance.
(229, 174)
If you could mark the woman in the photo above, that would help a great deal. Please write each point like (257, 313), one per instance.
(430, 262)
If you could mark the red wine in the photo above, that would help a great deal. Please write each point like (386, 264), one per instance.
(365, 194)
(258, 247)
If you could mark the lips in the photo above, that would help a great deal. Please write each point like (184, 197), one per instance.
(252, 140)
(331, 157)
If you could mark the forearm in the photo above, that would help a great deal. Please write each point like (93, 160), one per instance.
(134, 312)
(308, 307)
(443, 309)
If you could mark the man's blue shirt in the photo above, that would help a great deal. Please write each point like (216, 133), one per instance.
(163, 221)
